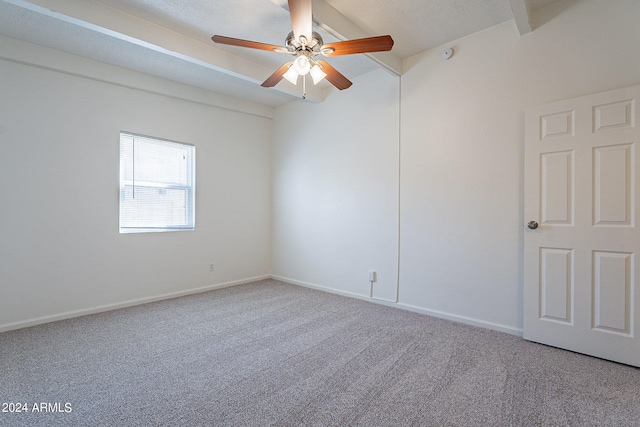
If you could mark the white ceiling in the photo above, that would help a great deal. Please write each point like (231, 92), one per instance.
(171, 38)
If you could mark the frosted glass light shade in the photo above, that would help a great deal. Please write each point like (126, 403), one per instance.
(291, 75)
(301, 65)
(317, 74)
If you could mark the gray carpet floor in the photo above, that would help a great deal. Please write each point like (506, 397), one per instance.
(270, 353)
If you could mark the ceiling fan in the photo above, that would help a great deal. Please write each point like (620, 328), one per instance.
(305, 44)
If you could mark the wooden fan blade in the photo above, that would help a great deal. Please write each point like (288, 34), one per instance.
(246, 43)
(301, 16)
(275, 78)
(369, 44)
(334, 77)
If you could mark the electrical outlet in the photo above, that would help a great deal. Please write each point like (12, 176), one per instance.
(211, 267)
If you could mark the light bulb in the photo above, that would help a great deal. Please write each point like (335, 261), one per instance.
(301, 65)
(291, 75)
(317, 74)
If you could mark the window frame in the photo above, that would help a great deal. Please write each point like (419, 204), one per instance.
(189, 187)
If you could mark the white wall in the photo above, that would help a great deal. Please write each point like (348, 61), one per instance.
(462, 131)
(61, 252)
(335, 189)
(442, 163)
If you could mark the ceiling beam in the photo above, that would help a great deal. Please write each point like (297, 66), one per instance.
(521, 10)
(26, 53)
(112, 22)
(336, 24)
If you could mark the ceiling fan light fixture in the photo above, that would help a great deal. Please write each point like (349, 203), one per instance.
(301, 65)
(317, 74)
(291, 75)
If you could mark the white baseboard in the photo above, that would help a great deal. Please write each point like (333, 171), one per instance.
(320, 287)
(463, 319)
(123, 304)
(434, 313)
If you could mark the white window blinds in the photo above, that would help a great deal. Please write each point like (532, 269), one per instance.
(157, 184)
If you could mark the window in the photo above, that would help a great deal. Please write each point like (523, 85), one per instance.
(157, 183)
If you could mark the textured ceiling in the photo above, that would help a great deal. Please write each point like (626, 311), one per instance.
(415, 25)
(418, 26)
(258, 20)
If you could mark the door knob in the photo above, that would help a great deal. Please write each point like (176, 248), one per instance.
(532, 225)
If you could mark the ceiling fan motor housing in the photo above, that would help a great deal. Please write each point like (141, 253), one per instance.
(312, 45)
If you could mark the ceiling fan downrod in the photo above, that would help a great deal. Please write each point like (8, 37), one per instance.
(304, 87)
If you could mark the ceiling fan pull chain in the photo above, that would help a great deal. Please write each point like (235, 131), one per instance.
(304, 86)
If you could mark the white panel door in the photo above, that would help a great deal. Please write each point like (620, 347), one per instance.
(581, 239)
